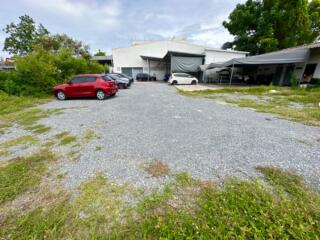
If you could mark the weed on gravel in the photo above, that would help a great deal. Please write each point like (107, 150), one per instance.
(65, 138)
(98, 148)
(88, 136)
(38, 129)
(282, 207)
(23, 141)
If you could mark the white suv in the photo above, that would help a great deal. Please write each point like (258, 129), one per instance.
(182, 78)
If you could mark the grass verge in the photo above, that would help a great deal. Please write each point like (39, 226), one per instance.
(22, 111)
(13, 104)
(282, 207)
(281, 102)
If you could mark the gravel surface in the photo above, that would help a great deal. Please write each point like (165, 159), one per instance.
(209, 140)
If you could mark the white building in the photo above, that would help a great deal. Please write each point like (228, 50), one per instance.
(159, 58)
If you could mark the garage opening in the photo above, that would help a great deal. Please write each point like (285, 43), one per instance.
(132, 72)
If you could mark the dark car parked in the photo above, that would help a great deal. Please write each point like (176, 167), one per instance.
(86, 85)
(125, 76)
(121, 82)
(145, 77)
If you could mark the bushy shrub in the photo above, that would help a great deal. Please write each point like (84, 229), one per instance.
(8, 82)
(37, 72)
(40, 70)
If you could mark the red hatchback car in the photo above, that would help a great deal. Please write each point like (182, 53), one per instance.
(86, 85)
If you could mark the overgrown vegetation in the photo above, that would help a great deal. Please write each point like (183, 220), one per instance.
(23, 111)
(12, 104)
(296, 104)
(283, 207)
(22, 174)
(40, 70)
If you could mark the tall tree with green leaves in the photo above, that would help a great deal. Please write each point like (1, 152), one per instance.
(261, 26)
(57, 42)
(23, 36)
(100, 53)
(314, 13)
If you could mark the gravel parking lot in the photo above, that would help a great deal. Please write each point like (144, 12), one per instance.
(209, 140)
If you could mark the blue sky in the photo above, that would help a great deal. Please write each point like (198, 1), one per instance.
(107, 24)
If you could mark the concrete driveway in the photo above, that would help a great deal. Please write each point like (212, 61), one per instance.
(151, 121)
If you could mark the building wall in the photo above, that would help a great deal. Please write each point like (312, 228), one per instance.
(130, 57)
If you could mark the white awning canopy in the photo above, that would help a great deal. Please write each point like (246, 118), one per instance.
(280, 57)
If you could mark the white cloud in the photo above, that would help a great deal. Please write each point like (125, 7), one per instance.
(106, 24)
(214, 38)
(80, 14)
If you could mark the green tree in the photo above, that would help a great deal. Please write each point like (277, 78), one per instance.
(37, 72)
(62, 41)
(261, 26)
(40, 70)
(100, 53)
(23, 36)
(314, 13)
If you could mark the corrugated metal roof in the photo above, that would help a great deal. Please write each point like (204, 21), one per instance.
(297, 55)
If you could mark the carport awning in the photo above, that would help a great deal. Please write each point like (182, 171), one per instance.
(280, 57)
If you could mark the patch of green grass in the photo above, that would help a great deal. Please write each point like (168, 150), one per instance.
(13, 104)
(278, 103)
(283, 207)
(23, 111)
(48, 144)
(40, 223)
(238, 210)
(74, 155)
(98, 148)
(65, 138)
(306, 115)
(23, 140)
(101, 206)
(38, 129)
(3, 127)
(97, 209)
(61, 135)
(284, 180)
(31, 116)
(22, 174)
(88, 136)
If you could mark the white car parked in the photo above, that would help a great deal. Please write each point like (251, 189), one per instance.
(182, 78)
